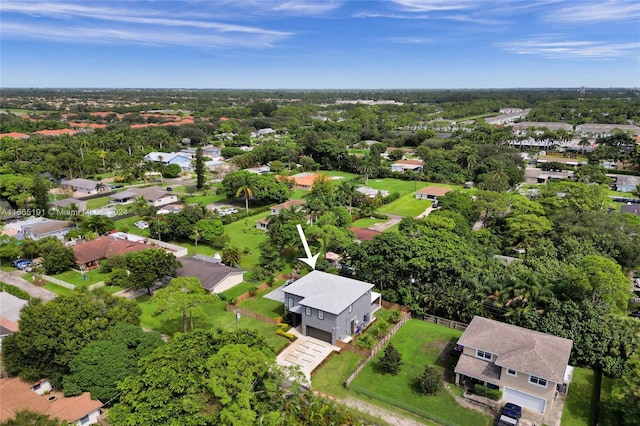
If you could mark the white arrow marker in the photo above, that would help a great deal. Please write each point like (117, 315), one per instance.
(309, 260)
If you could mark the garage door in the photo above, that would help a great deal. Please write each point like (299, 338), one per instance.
(325, 336)
(524, 400)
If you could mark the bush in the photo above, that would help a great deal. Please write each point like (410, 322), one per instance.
(395, 316)
(365, 342)
(233, 301)
(253, 290)
(430, 381)
(15, 291)
(391, 360)
(495, 394)
(380, 328)
(289, 336)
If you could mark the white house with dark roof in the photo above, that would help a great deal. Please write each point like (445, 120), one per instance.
(213, 275)
(527, 366)
(330, 307)
(85, 186)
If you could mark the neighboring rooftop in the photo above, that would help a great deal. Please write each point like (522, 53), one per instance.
(210, 273)
(105, 247)
(525, 350)
(10, 306)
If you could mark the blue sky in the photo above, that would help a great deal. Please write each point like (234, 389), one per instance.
(323, 44)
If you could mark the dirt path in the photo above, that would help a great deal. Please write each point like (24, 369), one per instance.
(388, 417)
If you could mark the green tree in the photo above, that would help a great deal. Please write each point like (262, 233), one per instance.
(101, 364)
(31, 418)
(625, 394)
(146, 267)
(231, 256)
(391, 360)
(99, 224)
(525, 230)
(56, 257)
(211, 231)
(245, 186)
(183, 295)
(40, 195)
(430, 381)
(171, 171)
(199, 169)
(52, 334)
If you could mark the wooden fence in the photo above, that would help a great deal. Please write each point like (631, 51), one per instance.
(254, 315)
(353, 348)
(248, 295)
(394, 306)
(445, 322)
(377, 348)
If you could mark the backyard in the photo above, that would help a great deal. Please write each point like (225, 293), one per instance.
(580, 404)
(420, 343)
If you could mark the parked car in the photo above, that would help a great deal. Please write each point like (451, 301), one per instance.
(117, 186)
(14, 263)
(635, 314)
(23, 264)
(169, 188)
(231, 210)
(141, 224)
(222, 213)
(510, 415)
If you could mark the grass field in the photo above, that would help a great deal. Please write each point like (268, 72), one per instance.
(215, 316)
(366, 222)
(75, 278)
(58, 289)
(267, 307)
(128, 224)
(420, 343)
(249, 240)
(299, 194)
(100, 202)
(579, 407)
(403, 187)
(408, 205)
(330, 378)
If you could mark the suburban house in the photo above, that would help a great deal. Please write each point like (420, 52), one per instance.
(627, 183)
(47, 228)
(154, 196)
(371, 193)
(65, 205)
(214, 276)
(432, 192)
(170, 208)
(85, 186)
(39, 397)
(401, 166)
(631, 208)
(10, 307)
(302, 180)
(89, 253)
(166, 158)
(527, 366)
(329, 307)
(263, 223)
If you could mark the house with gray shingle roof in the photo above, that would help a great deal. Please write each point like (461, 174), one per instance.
(527, 366)
(330, 307)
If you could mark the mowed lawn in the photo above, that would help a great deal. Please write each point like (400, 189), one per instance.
(420, 343)
(402, 187)
(330, 377)
(244, 235)
(408, 205)
(215, 316)
(580, 407)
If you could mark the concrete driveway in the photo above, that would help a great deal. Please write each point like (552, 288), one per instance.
(16, 280)
(306, 353)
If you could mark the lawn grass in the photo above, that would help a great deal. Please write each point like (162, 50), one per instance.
(402, 187)
(420, 343)
(366, 222)
(579, 407)
(330, 377)
(75, 278)
(249, 240)
(127, 225)
(237, 290)
(408, 205)
(58, 289)
(343, 175)
(262, 305)
(607, 416)
(299, 194)
(215, 316)
(204, 199)
(97, 203)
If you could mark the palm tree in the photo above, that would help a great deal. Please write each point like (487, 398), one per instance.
(102, 154)
(290, 215)
(346, 191)
(367, 167)
(245, 186)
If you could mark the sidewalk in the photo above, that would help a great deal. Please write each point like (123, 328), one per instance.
(16, 280)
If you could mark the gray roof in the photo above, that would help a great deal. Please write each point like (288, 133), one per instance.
(48, 226)
(82, 183)
(210, 274)
(10, 306)
(478, 369)
(631, 208)
(328, 292)
(521, 349)
(67, 202)
(123, 195)
(150, 194)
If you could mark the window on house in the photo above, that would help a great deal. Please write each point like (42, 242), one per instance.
(538, 381)
(37, 387)
(511, 372)
(307, 311)
(291, 302)
(350, 308)
(321, 315)
(84, 420)
(483, 355)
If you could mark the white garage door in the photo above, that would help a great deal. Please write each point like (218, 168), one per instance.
(524, 400)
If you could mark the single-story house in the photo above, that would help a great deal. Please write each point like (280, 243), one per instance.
(401, 166)
(263, 223)
(527, 366)
(329, 307)
(627, 183)
(10, 307)
(371, 193)
(215, 165)
(170, 208)
(302, 180)
(166, 158)
(155, 196)
(15, 135)
(214, 276)
(546, 177)
(65, 205)
(47, 228)
(432, 192)
(631, 208)
(86, 186)
(89, 253)
(39, 397)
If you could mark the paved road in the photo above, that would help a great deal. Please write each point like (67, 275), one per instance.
(16, 280)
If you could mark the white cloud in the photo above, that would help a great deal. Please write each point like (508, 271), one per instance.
(612, 10)
(307, 7)
(411, 40)
(434, 5)
(552, 48)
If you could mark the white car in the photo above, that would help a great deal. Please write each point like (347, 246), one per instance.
(232, 210)
(141, 224)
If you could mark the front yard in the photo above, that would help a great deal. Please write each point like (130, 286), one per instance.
(408, 205)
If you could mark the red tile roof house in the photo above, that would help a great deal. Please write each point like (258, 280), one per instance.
(89, 253)
(18, 395)
(14, 135)
(527, 366)
(432, 192)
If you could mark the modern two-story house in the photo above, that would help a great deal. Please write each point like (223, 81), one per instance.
(526, 365)
(329, 307)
